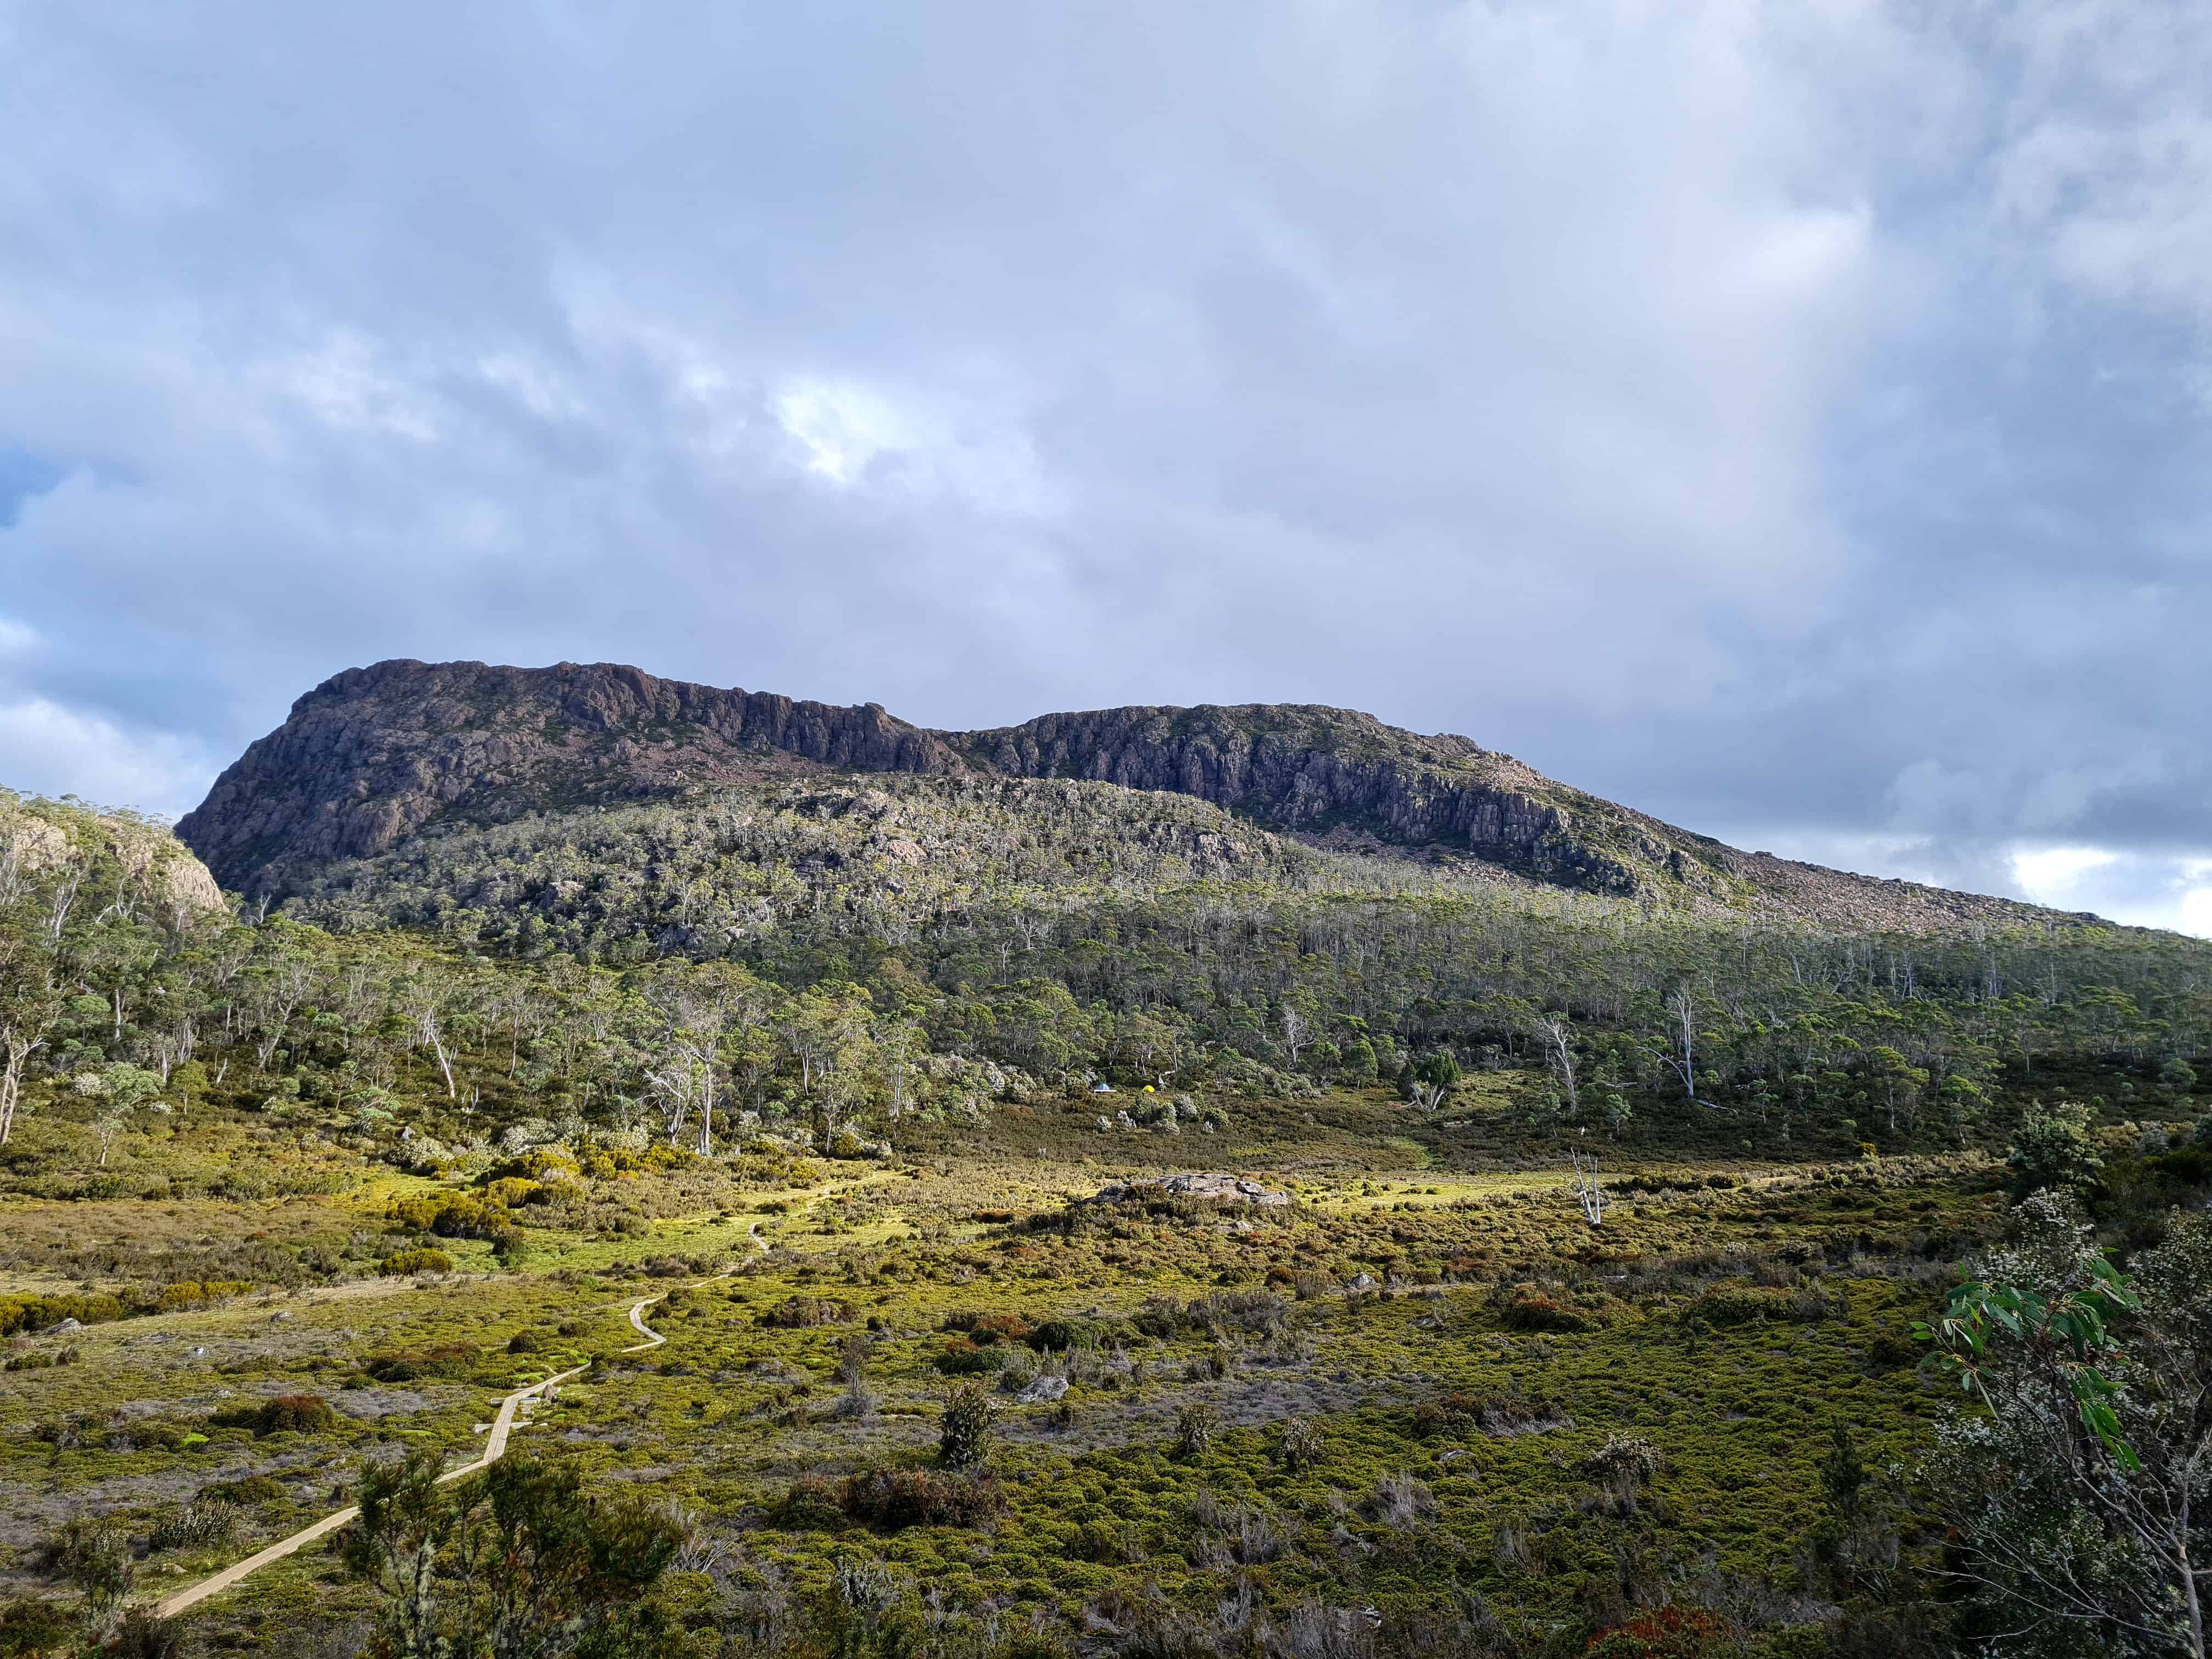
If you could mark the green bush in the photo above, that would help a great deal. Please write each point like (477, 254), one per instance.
(892, 1498)
(551, 1162)
(1527, 1308)
(965, 1358)
(401, 1263)
(248, 1490)
(450, 1215)
(1743, 1306)
(37, 1313)
(450, 1359)
(295, 1413)
(964, 1440)
(799, 1313)
(33, 1626)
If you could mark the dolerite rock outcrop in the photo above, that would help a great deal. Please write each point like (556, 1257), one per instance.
(156, 869)
(373, 755)
(1204, 1186)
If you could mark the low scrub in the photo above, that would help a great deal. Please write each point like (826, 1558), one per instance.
(197, 1293)
(450, 1359)
(894, 1499)
(39, 1313)
(799, 1313)
(401, 1263)
(295, 1413)
(1528, 1309)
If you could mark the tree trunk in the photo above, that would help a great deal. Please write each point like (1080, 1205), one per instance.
(11, 1082)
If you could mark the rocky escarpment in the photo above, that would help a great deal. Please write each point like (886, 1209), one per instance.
(373, 754)
(1331, 773)
(153, 868)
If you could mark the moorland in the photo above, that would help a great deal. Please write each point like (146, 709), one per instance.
(793, 1142)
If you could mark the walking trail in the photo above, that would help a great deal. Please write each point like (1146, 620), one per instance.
(494, 1448)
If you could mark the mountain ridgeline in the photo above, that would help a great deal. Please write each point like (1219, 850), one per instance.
(376, 756)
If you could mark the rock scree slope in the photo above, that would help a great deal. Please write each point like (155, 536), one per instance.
(373, 754)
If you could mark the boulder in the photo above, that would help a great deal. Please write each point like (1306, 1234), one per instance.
(1212, 1185)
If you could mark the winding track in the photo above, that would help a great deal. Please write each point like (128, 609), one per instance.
(494, 1448)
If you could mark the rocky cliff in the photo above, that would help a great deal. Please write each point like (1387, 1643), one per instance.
(156, 869)
(375, 754)
(372, 755)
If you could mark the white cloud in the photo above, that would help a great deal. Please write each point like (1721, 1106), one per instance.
(843, 427)
(2049, 874)
(48, 750)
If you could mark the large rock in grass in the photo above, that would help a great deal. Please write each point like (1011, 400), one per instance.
(1209, 1186)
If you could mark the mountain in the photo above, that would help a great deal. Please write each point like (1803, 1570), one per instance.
(376, 757)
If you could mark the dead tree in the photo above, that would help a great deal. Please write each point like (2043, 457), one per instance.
(1588, 1191)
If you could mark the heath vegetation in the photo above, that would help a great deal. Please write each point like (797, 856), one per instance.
(1611, 1282)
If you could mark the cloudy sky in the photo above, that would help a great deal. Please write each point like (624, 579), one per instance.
(1791, 419)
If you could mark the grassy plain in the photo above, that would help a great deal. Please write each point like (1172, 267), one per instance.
(1453, 1344)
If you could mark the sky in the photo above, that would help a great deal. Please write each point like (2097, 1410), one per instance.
(1790, 419)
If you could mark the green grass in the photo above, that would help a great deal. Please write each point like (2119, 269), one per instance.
(1098, 1503)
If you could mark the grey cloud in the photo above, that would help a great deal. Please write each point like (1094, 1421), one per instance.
(1768, 415)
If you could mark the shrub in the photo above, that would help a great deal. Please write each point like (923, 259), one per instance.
(37, 1313)
(963, 1439)
(1665, 1634)
(510, 1191)
(1629, 1457)
(1300, 1445)
(249, 1489)
(35, 1625)
(1741, 1306)
(813, 1503)
(401, 1263)
(799, 1313)
(983, 1327)
(549, 1163)
(1196, 1424)
(295, 1413)
(963, 1358)
(453, 1359)
(525, 1342)
(1527, 1308)
(450, 1215)
(1058, 1336)
(1501, 1414)
(201, 1524)
(892, 1498)
(1259, 1311)
(193, 1293)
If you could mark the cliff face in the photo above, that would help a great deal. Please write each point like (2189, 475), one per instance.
(372, 755)
(1325, 773)
(155, 868)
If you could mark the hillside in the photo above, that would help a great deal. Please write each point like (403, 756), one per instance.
(150, 869)
(779, 1137)
(375, 755)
